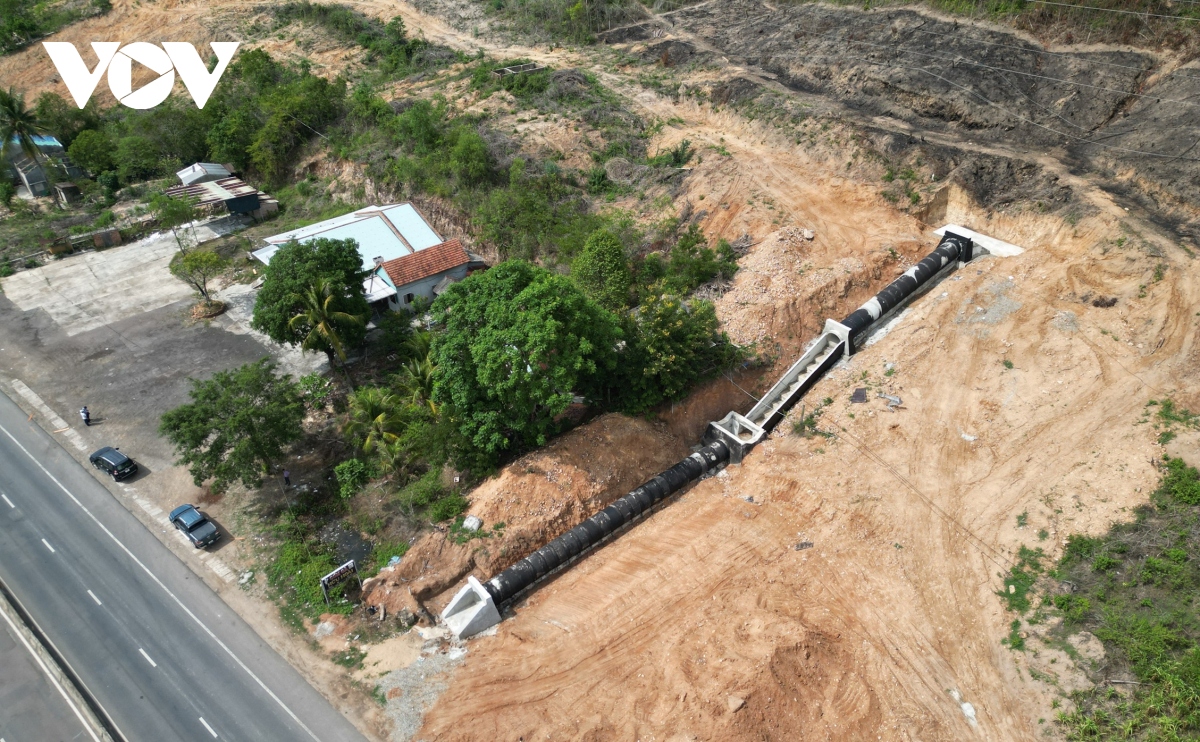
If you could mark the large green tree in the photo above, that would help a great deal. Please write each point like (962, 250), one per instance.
(518, 344)
(602, 270)
(237, 424)
(92, 150)
(292, 271)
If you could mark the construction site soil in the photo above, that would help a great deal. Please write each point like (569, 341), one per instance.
(1020, 395)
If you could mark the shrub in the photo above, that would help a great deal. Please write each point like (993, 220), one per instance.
(448, 507)
(1181, 483)
(316, 389)
(423, 492)
(602, 271)
(351, 475)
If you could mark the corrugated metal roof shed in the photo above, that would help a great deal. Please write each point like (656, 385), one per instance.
(201, 172)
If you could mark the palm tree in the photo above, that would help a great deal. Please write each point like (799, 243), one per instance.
(375, 420)
(394, 459)
(322, 319)
(416, 382)
(17, 122)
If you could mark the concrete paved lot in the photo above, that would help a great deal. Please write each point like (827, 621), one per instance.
(95, 289)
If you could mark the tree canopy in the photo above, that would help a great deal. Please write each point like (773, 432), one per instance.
(602, 271)
(18, 125)
(293, 270)
(673, 343)
(237, 424)
(197, 268)
(518, 344)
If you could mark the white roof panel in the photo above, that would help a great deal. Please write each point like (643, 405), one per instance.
(381, 232)
(409, 222)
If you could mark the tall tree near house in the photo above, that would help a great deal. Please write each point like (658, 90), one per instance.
(19, 124)
(322, 321)
(292, 271)
(519, 343)
(197, 268)
(177, 214)
(237, 424)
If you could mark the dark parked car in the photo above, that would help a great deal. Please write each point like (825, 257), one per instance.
(200, 530)
(114, 462)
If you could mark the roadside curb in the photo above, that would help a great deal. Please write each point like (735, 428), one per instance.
(63, 674)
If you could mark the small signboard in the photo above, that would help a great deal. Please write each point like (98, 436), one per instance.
(339, 575)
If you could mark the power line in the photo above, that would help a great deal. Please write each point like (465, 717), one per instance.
(1115, 10)
(1043, 51)
(997, 557)
(1014, 115)
(957, 60)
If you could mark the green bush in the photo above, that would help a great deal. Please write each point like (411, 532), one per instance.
(316, 389)
(351, 475)
(1181, 483)
(423, 492)
(1021, 578)
(447, 508)
(296, 574)
(602, 271)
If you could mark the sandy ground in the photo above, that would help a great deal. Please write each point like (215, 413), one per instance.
(888, 623)
(705, 621)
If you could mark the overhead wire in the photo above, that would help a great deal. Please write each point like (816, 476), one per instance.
(961, 60)
(1017, 116)
(1046, 52)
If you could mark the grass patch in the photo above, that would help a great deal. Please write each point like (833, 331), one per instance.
(1137, 589)
(1021, 577)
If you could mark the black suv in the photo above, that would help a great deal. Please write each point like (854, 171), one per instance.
(200, 530)
(114, 462)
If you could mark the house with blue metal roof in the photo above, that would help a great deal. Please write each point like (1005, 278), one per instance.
(32, 174)
(407, 259)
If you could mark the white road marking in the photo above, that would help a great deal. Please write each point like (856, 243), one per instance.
(53, 680)
(48, 546)
(202, 721)
(14, 507)
(94, 597)
(152, 662)
(165, 589)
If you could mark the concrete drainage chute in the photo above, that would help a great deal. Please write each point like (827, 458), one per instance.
(476, 606)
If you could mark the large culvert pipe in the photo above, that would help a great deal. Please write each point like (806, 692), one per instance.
(951, 249)
(476, 606)
(514, 580)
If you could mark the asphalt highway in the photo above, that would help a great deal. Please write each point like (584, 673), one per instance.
(33, 703)
(160, 652)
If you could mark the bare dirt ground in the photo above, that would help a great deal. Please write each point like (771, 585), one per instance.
(705, 621)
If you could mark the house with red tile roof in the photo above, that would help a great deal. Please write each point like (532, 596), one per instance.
(409, 261)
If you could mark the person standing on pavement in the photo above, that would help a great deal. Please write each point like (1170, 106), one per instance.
(87, 416)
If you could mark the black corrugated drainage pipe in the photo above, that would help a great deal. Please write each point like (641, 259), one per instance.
(514, 580)
(476, 606)
(951, 249)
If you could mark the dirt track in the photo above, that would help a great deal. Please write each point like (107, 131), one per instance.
(891, 617)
